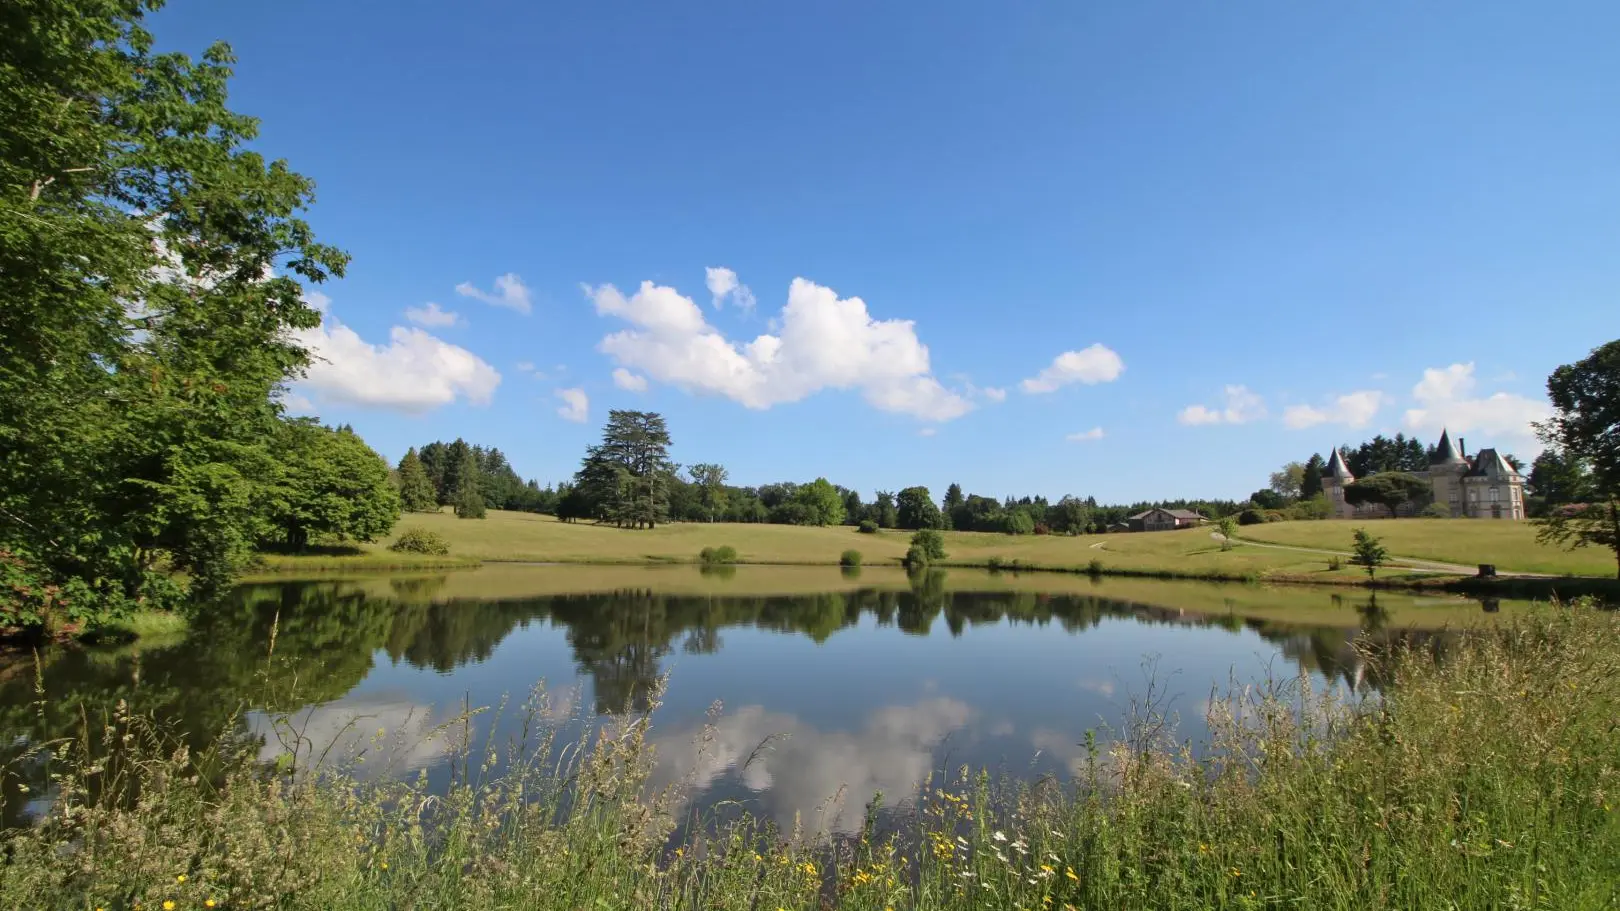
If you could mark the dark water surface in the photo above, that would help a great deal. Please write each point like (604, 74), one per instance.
(861, 684)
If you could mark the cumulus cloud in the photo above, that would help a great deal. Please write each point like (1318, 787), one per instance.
(632, 382)
(432, 316)
(345, 729)
(1095, 364)
(825, 342)
(510, 292)
(1355, 409)
(1095, 433)
(413, 372)
(801, 769)
(1241, 407)
(1447, 397)
(576, 405)
(723, 283)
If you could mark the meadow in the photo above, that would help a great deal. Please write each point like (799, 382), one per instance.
(1483, 779)
(1511, 546)
(532, 538)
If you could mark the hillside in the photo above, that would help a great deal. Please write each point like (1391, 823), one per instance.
(1510, 545)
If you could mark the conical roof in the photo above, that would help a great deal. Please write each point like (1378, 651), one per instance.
(1445, 453)
(1336, 467)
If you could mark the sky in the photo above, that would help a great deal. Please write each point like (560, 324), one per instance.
(1129, 250)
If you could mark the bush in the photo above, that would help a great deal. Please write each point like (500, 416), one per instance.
(1094, 568)
(1251, 517)
(927, 546)
(1335, 564)
(868, 527)
(849, 558)
(997, 564)
(718, 556)
(1435, 511)
(420, 541)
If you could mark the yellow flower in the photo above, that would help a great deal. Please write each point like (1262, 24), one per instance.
(1046, 868)
(680, 852)
(1235, 872)
(168, 905)
(1203, 848)
(209, 903)
(181, 878)
(385, 865)
(1069, 872)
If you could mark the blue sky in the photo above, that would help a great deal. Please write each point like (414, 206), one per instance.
(1132, 250)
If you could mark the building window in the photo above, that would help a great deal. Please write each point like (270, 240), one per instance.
(1473, 496)
(1493, 494)
(1496, 512)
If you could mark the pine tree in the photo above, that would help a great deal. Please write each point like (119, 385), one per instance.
(416, 492)
(1311, 485)
(468, 501)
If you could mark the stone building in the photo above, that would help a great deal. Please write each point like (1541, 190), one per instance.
(1484, 486)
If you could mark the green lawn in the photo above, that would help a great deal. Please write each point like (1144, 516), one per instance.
(525, 537)
(1510, 545)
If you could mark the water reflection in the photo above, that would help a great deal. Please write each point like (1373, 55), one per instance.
(833, 694)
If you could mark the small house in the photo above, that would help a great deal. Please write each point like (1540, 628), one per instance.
(1165, 520)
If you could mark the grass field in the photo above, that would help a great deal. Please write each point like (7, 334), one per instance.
(1510, 545)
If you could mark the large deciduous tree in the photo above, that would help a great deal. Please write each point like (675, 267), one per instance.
(820, 503)
(710, 479)
(330, 484)
(1585, 426)
(1390, 489)
(914, 509)
(1288, 482)
(150, 302)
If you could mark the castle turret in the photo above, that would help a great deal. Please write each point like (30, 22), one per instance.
(1335, 475)
(1446, 469)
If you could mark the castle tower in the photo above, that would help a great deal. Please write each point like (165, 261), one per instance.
(1335, 476)
(1492, 489)
(1446, 470)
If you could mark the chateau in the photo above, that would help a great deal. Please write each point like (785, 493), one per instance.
(1482, 487)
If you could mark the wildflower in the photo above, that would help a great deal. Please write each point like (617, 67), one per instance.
(1235, 872)
(998, 836)
(168, 905)
(385, 865)
(1203, 848)
(181, 878)
(680, 852)
(1069, 872)
(808, 868)
(1047, 869)
(209, 903)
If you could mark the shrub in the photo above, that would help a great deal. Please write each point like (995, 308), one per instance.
(1094, 568)
(868, 527)
(849, 558)
(927, 546)
(1335, 564)
(997, 564)
(718, 556)
(1251, 517)
(1435, 511)
(420, 541)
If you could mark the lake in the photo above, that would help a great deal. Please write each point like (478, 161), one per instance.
(810, 689)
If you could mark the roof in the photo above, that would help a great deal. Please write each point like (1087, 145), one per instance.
(1490, 464)
(1336, 468)
(1445, 453)
(1176, 513)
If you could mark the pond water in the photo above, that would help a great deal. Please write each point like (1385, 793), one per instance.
(856, 683)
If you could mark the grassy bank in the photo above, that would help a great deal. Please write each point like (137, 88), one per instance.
(1488, 780)
(1190, 554)
(1511, 546)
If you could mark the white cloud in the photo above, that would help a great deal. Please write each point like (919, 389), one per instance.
(825, 342)
(1095, 364)
(1355, 409)
(723, 283)
(624, 379)
(525, 366)
(414, 372)
(927, 431)
(432, 316)
(1095, 433)
(1242, 406)
(1446, 398)
(576, 405)
(509, 292)
(995, 394)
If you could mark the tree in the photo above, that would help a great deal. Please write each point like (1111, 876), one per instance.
(818, 503)
(1228, 529)
(915, 508)
(330, 483)
(1266, 498)
(885, 513)
(854, 510)
(456, 463)
(1390, 489)
(1558, 480)
(1288, 482)
(468, 499)
(1071, 516)
(1018, 522)
(953, 499)
(1585, 426)
(1311, 482)
(151, 308)
(1369, 552)
(710, 479)
(416, 493)
(927, 546)
(626, 476)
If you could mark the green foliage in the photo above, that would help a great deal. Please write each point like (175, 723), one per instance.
(467, 498)
(1288, 481)
(416, 493)
(849, 558)
(1250, 517)
(1435, 511)
(625, 479)
(1585, 431)
(1310, 485)
(914, 508)
(151, 269)
(1369, 552)
(1557, 479)
(885, 513)
(1384, 454)
(710, 480)
(1334, 564)
(818, 503)
(868, 527)
(1228, 531)
(330, 484)
(927, 546)
(1018, 522)
(1390, 489)
(718, 556)
(420, 541)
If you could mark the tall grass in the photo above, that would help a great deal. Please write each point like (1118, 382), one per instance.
(1486, 779)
